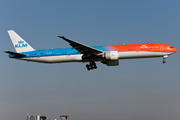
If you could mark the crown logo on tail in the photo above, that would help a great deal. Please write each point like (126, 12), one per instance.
(20, 42)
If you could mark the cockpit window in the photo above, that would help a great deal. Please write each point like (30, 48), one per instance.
(171, 47)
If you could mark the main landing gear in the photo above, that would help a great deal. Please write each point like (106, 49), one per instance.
(164, 58)
(91, 65)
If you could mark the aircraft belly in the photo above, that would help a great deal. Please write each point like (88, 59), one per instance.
(55, 59)
(141, 54)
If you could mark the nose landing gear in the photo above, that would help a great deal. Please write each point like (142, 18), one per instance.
(91, 65)
(164, 61)
(164, 58)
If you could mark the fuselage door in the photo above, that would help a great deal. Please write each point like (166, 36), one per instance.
(38, 54)
(161, 48)
(68, 52)
(137, 49)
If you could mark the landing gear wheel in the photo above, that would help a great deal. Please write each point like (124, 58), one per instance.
(95, 67)
(164, 61)
(91, 66)
(88, 67)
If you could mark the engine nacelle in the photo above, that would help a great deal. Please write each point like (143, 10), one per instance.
(111, 55)
(112, 62)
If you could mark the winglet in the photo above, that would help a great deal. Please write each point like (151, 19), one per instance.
(61, 36)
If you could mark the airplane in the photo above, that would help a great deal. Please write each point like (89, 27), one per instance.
(108, 55)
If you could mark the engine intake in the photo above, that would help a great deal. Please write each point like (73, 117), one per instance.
(111, 58)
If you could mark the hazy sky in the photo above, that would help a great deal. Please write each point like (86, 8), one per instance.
(139, 89)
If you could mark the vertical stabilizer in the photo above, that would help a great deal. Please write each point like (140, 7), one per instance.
(19, 44)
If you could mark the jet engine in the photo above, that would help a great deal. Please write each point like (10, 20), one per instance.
(111, 58)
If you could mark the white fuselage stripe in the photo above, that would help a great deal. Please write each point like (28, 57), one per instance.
(78, 57)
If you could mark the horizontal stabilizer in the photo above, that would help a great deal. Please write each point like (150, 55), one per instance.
(15, 53)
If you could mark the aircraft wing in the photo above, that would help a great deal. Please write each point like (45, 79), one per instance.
(84, 49)
(15, 53)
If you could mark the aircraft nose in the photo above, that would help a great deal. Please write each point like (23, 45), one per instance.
(175, 50)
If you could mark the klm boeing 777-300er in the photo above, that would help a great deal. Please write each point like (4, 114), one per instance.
(78, 52)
